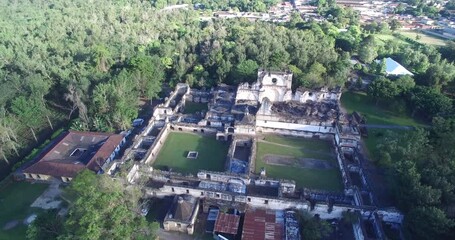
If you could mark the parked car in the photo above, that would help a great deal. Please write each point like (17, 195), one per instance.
(138, 122)
(144, 208)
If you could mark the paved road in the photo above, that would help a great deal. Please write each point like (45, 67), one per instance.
(384, 126)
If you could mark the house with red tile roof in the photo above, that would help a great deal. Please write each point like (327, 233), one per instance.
(73, 152)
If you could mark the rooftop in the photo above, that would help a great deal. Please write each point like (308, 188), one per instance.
(182, 209)
(227, 223)
(76, 151)
(262, 224)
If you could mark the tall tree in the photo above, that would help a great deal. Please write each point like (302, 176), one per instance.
(102, 208)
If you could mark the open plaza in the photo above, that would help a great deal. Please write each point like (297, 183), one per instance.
(211, 154)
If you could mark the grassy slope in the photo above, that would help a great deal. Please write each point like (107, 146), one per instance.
(360, 102)
(310, 178)
(15, 201)
(387, 37)
(375, 114)
(424, 38)
(212, 153)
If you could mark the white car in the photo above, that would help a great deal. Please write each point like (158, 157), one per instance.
(145, 208)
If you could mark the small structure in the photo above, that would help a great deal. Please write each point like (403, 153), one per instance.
(73, 152)
(393, 68)
(182, 214)
(227, 226)
(211, 220)
(192, 155)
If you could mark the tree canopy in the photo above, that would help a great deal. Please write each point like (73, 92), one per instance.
(99, 208)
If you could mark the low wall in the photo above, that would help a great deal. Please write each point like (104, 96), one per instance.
(252, 159)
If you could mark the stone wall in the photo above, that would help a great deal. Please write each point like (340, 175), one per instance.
(152, 153)
(254, 146)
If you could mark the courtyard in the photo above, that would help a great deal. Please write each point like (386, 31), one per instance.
(194, 107)
(211, 154)
(310, 163)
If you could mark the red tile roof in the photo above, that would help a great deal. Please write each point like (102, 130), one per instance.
(227, 223)
(58, 162)
(262, 224)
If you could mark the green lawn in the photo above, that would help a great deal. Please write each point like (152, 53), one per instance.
(212, 153)
(329, 180)
(386, 37)
(377, 114)
(15, 201)
(312, 144)
(424, 38)
(193, 107)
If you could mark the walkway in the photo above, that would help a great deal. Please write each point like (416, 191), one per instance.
(385, 126)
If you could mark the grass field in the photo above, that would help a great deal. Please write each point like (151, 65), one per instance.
(15, 201)
(424, 38)
(377, 114)
(386, 37)
(323, 179)
(193, 107)
(212, 153)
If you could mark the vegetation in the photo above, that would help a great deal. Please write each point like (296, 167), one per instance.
(15, 201)
(388, 113)
(422, 165)
(424, 38)
(211, 153)
(313, 228)
(99, 208)
(93, 61)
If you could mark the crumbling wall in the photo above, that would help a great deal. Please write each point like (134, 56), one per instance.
(252, 159)
(157, 144)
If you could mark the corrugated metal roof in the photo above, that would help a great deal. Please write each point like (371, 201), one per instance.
(227, 223)
(261, 224)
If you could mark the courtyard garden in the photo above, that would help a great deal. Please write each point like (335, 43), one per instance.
(15, 201)
(311, 163)
(211, 154)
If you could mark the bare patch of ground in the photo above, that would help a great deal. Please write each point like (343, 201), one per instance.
(11, 224)
(50, 199)
(281, 160)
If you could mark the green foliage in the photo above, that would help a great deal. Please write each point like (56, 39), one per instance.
(367, 52)
(47, 226)
(383, 89)
(428, 223)
(428, 102)
(116, 101)
(246, 71)
(101, 208)
(313, 228)
(422, 164)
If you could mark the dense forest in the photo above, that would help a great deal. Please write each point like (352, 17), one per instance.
(90, 64)
(94, 60)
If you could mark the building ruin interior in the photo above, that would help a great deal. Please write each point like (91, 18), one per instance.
(240, 116)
